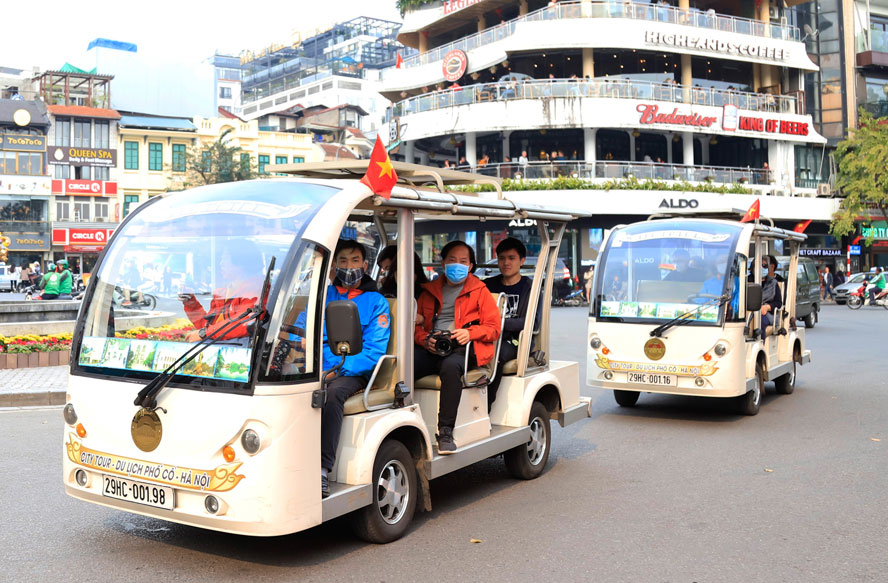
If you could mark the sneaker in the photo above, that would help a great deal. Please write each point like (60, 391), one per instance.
(446, 446)
(325, 486)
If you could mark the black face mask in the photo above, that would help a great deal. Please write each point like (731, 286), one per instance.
(349, 277)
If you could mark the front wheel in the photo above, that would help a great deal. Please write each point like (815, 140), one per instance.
(394, 496)
(785, 384)
(749, 403)
(855, 302)
(527, 462)
(626, 398)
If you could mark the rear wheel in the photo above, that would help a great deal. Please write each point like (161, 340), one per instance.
(749, 403)
(809, 320)
(626, 398)
(854, 302)
(394, 496)
(528, 461)
(150, 301)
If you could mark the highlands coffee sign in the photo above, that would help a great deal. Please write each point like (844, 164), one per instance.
(82, 156)
(714, 45)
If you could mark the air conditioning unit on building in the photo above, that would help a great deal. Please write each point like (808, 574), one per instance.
(773, 12)
(823, 189)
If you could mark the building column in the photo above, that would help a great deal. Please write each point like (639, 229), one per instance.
(481, 23)
(471, 152)
(423, 43)
(424, 158)
(507, 151)
(631, 145)
(756, 77)
(590, 153)
(588, 63)
(687, 139)
(586, 8)
(687, 74)
(522, 8)
(408, 152)
(669, 142)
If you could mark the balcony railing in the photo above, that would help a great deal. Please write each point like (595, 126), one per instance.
(619, 170)
(601, 88)
(878, 41)
(571, 10)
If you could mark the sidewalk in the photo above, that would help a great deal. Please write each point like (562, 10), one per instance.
(29, 387)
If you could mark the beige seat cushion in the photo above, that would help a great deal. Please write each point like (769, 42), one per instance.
(433, 382)
(383, 391)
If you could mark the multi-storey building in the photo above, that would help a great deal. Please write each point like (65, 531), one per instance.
(24, 184)
(704, 92)
(228, 72)
(333, 67)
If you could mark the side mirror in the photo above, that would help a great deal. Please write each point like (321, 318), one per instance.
(753, 297)
(343, 328)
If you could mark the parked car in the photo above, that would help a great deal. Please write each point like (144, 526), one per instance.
(807, 291)
(8, 277)
(841, 292)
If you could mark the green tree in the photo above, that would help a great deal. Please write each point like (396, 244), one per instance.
(405, 5)
(219, 162)
(863, 175)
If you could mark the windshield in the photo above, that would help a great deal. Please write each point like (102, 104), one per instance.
(187, 267)
(660, 270)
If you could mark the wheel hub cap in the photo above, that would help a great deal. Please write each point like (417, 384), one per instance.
(392, 492)
(536, 447)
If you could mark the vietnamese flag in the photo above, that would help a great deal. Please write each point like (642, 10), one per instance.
(381, 175)
(801, 226)
(753, 212)
(399, 61)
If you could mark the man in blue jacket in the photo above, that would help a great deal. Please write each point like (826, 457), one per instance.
(351, 283)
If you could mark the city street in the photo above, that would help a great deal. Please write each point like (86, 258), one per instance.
(676, 490)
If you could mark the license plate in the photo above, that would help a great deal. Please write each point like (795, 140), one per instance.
(139, 492)
(649, 378)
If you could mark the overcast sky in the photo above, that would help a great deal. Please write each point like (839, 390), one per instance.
(50, 32)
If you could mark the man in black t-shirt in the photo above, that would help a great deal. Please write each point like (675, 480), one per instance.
(510, 256)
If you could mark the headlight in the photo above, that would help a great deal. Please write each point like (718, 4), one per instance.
(720, 349)
(69, 414)
(595, 342)
(251, 442)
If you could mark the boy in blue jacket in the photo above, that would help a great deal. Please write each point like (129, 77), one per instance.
(351, 283)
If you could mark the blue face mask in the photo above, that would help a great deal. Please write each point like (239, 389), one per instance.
(456, 272)
(764, 272)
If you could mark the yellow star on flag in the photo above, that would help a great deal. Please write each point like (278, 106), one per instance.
(382, 181)
(385, 167)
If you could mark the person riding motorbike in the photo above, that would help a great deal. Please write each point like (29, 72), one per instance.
(57, 284)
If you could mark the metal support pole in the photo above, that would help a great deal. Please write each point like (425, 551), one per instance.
(405, 292)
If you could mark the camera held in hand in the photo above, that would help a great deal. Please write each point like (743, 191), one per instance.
(444, 342)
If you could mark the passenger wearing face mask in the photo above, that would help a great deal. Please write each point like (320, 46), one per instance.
(350, 283)
(459, 303)
(771, 299)
(714, 286)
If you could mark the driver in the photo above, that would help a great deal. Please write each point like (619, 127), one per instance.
(684, 271)
(713, 287)
(239, 264)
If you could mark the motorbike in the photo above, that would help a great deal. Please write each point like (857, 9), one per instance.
(858, 298)
(124, 300)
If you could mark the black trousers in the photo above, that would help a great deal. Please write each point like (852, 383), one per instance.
(508, 351)
(339, 389)
(450, 369)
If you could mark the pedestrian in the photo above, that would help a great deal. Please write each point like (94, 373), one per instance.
(839, 278)
(24, 277)
(828, 282)
(167, 279)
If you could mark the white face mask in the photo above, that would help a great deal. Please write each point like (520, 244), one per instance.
(721, 267)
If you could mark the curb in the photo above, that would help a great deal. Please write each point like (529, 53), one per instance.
(33, 399)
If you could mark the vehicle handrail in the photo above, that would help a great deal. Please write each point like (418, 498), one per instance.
(466, 383)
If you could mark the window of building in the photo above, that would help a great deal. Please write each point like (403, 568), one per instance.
(103, 134)
(21, 163)
(225, 92)
(82, 134)
(62, 172)
(82, 173)
(178, 157)
(82, 210)
(263, 162)
(131, 155)
(63, 132)
(100, 173)
(128, 200)
(101, 209)
(206, 161)
(298, 159)
(155, 156)
(280, 160)
(63, 208)
(245, 163)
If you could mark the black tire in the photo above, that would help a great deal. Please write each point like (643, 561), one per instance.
(749, 403)
(388, 516)
(855, 302)
(809, 320)
(785, 384)
(528, 461)
(626, 398)
(150, 301)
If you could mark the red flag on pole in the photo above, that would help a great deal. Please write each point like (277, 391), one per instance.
(801, 226)
(381, 175)
(399, 60)
(753, 212)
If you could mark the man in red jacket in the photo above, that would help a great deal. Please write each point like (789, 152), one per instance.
(459, 303)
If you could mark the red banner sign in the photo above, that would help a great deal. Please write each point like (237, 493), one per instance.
(84, 187)
(80, 237)
(650, 115)
(773, 126)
